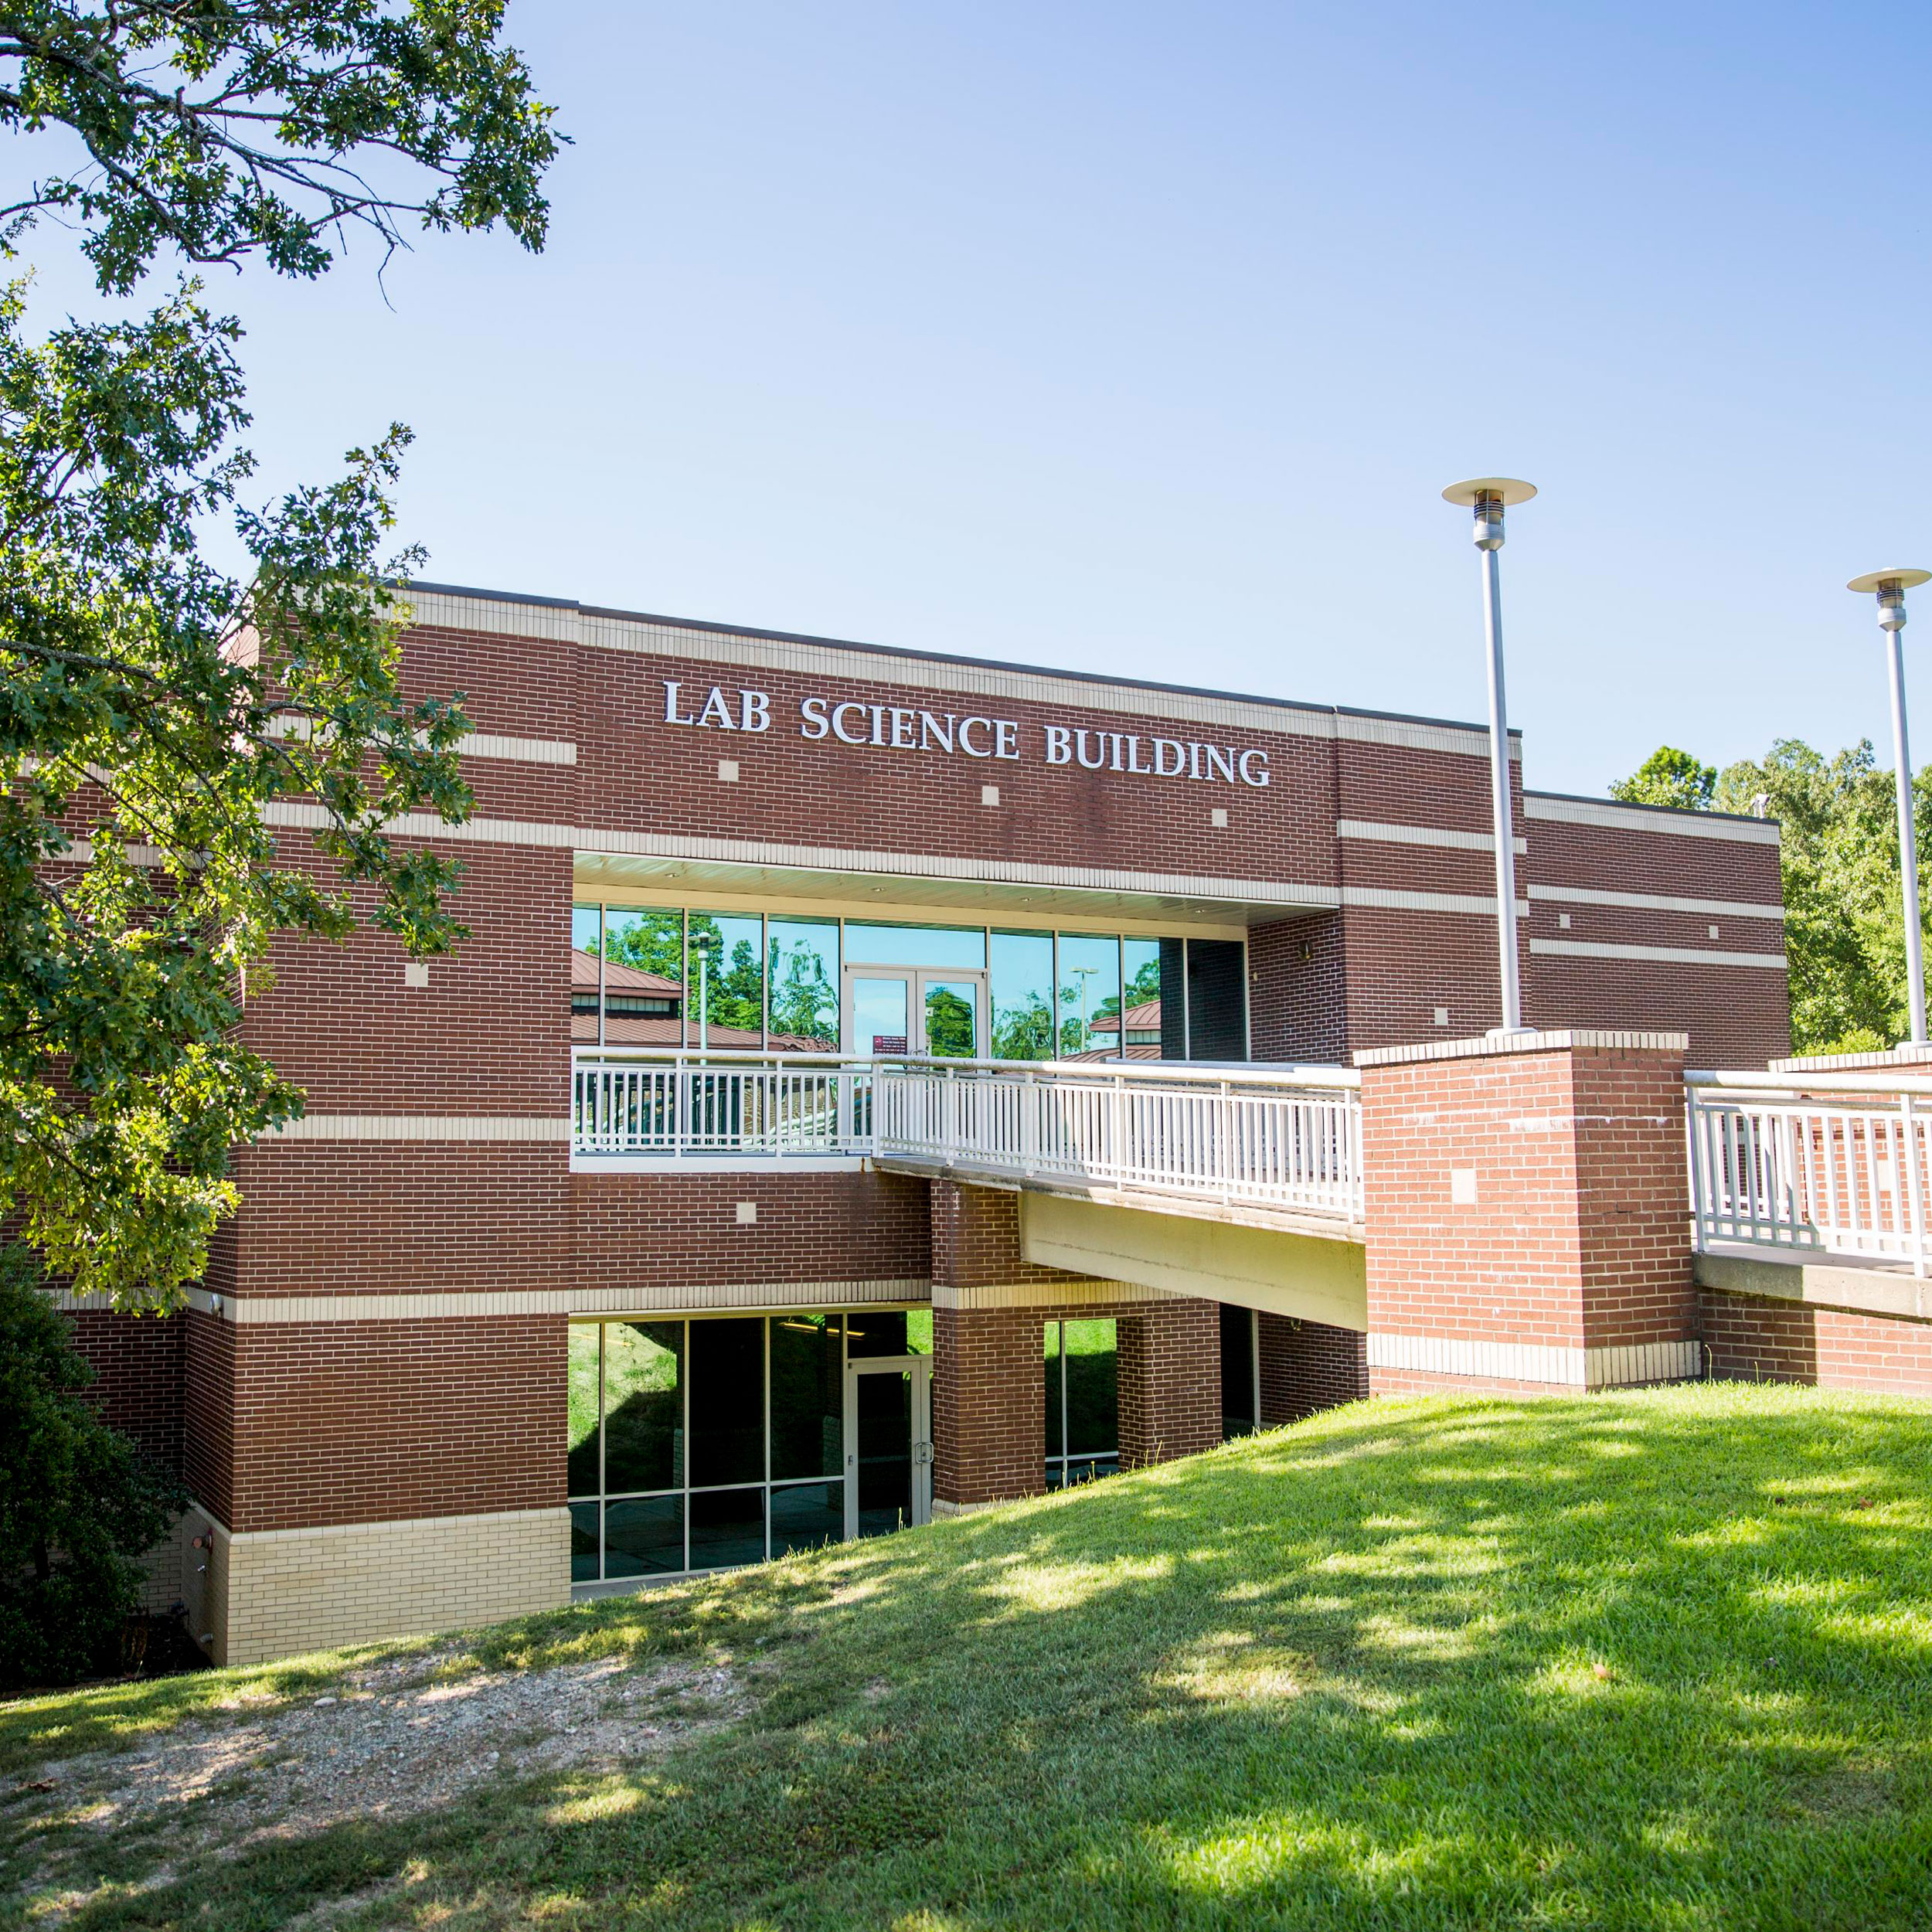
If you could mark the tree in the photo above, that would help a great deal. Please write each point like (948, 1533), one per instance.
(78, 1502)
(1844, 934)
(153, 708)
(1669, 776)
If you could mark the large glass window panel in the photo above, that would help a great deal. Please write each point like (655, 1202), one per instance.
(1089, 990)
(583, 1449)
(1055, 1398)
(805, 1515)
(726, 973)
(587, 941)
(1022, 987)
(1093, 1398)
(643, 978)
(807, 1397)
(1141, 963)
(584, 1567)
(727, 1528)
(643, 1406)
(895, 945)
(727, 1401)
(802, 972)
(644, 1537)
(1217, 1013)
(881, 1014)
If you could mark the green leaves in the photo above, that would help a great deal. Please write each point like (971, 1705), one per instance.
(1669, 776)
(273, 127)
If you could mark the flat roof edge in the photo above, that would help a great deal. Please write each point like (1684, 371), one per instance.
(945, 656)
(1632, 805)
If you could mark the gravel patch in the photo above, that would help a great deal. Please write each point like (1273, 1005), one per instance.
(388, 1741)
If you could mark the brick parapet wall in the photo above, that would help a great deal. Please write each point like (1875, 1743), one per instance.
(1576, 1237)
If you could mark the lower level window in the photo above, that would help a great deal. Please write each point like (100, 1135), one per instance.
(1082, 1402)
(702, 1445)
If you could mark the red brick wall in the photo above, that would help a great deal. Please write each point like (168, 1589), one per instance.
(1308, 1365)
(989, 1404)
(208, 1445)
(1578, 1236)
(341, 1421)
(1298, 991)
(976, 1240)
(1169, 1364)
(1747, 1339)
(138, 1363)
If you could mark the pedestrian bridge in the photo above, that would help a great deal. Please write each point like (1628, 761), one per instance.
(1240, 1182)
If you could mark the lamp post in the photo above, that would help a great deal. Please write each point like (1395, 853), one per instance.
(1488, 496)
(1084, 974)
(1890, 587)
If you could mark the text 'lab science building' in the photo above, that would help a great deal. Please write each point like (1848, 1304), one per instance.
(677, 1219)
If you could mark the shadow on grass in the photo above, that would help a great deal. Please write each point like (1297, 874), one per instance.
(1663, 1658)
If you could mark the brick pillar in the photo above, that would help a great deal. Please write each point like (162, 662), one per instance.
(1527, 1214)
(989, 1367)
(1308, 1365)
(1170, 1381)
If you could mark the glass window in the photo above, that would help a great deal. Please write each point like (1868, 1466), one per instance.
(807, 1397)
(727, 1401)
(727, 1525)
(586, 1553)
(583, 1449)
(804, 1515)
(889, 1331)
(726, 974)
(644, 1537)
(643, 978)
(893, 945)
(1082, 1401)
(1090, 991)
(885, 1471)
(1175, 1045)
(1216, 1003)
(952, 1019)
(1022, 981)
(802, 971)
(1141, 965)
(643, 1406)
(586, 935)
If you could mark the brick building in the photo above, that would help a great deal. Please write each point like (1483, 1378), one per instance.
(457, 1357)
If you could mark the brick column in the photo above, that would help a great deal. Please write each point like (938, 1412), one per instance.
(989, 1368)
(1527, 1213)
(1170, 1381)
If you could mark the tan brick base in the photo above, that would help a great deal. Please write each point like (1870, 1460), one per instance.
(279, 1593)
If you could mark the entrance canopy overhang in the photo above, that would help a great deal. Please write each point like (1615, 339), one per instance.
(942, 890)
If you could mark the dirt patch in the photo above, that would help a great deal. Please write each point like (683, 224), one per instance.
(392, 1739)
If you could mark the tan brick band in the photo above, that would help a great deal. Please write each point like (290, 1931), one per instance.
(279, 1593)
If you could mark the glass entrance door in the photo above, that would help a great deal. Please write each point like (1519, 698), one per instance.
(934, 1011)
(889, 1444)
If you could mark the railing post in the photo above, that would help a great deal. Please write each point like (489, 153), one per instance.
(1693, 1133)
(1118, 1122)
(1225, 1143)
(1910, 1120)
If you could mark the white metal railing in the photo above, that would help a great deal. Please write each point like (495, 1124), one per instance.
(674, 1105)
(1285, 1137)
(1833, 1163)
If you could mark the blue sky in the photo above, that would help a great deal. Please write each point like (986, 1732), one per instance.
(1140, 339)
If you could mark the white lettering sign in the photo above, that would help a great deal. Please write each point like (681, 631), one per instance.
(854, 721)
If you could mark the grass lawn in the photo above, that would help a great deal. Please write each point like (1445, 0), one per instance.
(1661, 1659)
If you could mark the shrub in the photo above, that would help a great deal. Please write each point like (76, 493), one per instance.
(79, 1503)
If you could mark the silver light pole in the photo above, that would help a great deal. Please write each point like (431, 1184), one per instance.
(1488, 496)
(1890, 587)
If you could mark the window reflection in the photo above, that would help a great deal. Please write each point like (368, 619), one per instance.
(586, 929)
(1089, 991)
(1082, 1401)
(802, 972)
(1022, 983)
(726, 974)
(643, 975)
(882, 944)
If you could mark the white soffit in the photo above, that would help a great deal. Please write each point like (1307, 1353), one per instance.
(1209, 914)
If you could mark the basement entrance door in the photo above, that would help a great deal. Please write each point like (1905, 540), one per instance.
(889, 1444)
